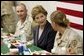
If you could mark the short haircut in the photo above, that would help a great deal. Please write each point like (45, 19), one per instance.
(22, 5)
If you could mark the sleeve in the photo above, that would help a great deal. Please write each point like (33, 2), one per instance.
(76, 45)
(17, 29)
(50, 43)
(28, 31)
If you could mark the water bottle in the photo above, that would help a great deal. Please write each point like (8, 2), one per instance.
(26, 51)
(21, 49)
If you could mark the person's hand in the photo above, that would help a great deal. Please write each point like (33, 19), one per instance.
(15, 42)
(70, 51)
(35, 53)
(29, 44)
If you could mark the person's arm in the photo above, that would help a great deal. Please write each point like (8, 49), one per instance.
(50, 43)
(75, 46)
(17, 30)
(28, 31)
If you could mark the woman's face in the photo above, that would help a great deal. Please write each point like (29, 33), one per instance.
(54, 26)
(40, 19)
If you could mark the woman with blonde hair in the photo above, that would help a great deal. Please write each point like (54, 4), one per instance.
(43, 34)
(67, 41)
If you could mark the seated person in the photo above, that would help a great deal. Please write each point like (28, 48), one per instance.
(43, 34)
(67, 41)
(23, 25)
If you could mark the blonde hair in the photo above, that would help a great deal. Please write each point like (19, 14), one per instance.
(59, 18)
(38, 9)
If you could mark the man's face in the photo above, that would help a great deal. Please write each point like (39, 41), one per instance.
(40, 19)
(21, 12)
